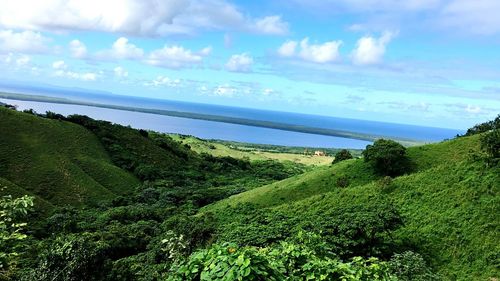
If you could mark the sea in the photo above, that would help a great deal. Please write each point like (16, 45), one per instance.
(233, 132)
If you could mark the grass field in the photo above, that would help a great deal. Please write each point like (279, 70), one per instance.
(243, 151)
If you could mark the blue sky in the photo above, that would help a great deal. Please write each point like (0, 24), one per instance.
(424, 62)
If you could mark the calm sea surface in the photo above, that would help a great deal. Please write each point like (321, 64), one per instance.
(233, 132)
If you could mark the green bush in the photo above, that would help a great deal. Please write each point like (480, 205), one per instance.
(342, 155)
(226, 262)
(410, 266)
(12, 212)
(490, 143)
(283, 261)
(387, 157)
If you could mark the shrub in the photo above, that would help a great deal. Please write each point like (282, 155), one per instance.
(410, 266)
(387, 157)
(12, 211)
(490, 143)
(484, 127)
(342, 155)
(226, 262)
(342, 181)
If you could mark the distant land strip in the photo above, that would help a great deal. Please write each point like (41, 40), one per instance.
(217, 118)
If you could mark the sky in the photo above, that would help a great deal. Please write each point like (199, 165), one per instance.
(423, 62)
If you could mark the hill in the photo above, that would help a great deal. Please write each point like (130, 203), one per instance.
(60, 162)
(79, 161)
(117, 203)
(449, 205)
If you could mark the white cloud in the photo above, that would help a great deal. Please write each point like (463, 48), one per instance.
(134, 17)
(138, 17)
(224, 91)
(318, 53)
(240, 63)
(268, 92)
(23, 61)
(78, 49)
(24, 42)
(61, 70)
(271, 25)
(60, 64)
(84, 76)
(175, 57)
(370, 50)
(120, 72)
(121, 49)
(206, 51)
(473, 109)
(287, 49)
(164, 81)
(477, 16)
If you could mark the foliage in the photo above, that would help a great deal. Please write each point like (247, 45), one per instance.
(490, 143)
(71, 258)
(12, 212)
(484, 127)
(283, 261)
(342, 155)
(387, 157)
(342, 181)
(226, 262)
(410, 266)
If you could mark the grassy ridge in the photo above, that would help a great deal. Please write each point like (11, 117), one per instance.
(60, 162)
(449, 203)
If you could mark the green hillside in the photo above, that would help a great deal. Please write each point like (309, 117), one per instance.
(58, 161)
(117, 203)
(449, 204)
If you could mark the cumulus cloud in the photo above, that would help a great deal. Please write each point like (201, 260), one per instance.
(268, 92)
(224, 91)
(271, 25)
(134, 17)
(287, 49)
(240, 63)
(175, 57)
(318, 53)
(472, 109)
(120, 72)
(164, 81)
(138, 17)
(370, 50)
(121, 49)
(61, 70)
(23, 42)
(60, 64)
(78, 49)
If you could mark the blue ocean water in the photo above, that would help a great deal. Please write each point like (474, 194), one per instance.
(224, 131)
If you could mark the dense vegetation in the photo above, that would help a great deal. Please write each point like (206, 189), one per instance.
(115, 203)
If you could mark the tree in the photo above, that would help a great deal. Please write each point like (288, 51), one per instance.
(387, 157)
(342, 155)
(12, 212)
(490, 143)
(484, 127)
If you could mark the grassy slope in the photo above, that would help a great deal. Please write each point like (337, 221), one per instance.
(203, 146)
(61, 162)
(450, 204)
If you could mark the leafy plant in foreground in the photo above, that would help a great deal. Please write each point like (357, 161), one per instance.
(11, 213)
